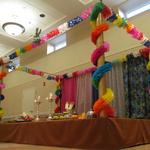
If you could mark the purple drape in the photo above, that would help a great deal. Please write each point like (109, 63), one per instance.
(69, 90)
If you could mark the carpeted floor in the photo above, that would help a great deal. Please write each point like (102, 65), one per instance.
(12, 146)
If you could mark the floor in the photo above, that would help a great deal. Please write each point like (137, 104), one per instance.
(11, 146)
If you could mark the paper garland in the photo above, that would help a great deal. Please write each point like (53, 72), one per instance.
(54, 77)
(1, 112)
(57, 31)
(2, 86)
(117, 20)
(98, 31)
(101, 106)
(98, 52)
(58, 97)
(99, 73)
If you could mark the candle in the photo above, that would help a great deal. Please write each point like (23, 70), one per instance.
(50, 95)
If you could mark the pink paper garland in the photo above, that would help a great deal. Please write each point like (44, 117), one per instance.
(86, 13)
(2, 86)
(99, 52)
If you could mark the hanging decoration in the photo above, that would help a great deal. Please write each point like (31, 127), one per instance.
(51, 76)
(98, 52)
(148, 66)
(101, 106)
(1, 112)
(58, 97)
(2, 86)
(145, 52)
(109, 15)
(2, 74)
(99, 73)
(98, 31)
(31, 71)
(2, 97)
(38, 41)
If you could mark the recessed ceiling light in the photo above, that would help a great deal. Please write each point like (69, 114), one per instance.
(42, 15)
(13, 29)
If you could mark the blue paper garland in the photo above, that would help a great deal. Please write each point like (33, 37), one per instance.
(99, 73)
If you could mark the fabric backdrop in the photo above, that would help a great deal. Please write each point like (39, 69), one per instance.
(137, 99)
(84, 93)
(69, 91)
(114, 80)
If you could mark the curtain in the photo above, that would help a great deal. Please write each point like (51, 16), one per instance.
(69, 87)
(84, 93)
(95, 95)
(114, 80)
(137, 100)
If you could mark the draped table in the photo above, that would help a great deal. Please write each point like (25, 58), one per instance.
(102, 133)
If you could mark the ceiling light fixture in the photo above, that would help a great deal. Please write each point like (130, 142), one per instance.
(13, 29)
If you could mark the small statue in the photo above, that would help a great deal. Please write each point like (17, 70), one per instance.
(37, 36)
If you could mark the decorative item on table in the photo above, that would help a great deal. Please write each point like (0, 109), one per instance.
(69, 107)
(90, 114)
(26, 117)
(82, 116)
(37, 102)
(50, 100)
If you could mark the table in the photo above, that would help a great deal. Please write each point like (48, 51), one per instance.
(102, 133)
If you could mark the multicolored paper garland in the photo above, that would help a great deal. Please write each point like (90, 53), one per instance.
(57, 31)
(58, 97)
(101, 105)
(116, 19)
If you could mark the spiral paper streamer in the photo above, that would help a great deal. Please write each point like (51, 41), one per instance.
(98, 52)
(99, 73)
(98, 31)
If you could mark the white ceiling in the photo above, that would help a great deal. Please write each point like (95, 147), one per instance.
(26, 12)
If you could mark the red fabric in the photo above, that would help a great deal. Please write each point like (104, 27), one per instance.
(100, 134)
(69, 91)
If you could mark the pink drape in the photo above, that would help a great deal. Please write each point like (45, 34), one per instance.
(69, 90)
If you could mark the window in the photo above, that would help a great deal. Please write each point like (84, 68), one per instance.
(132, 8)
(56, 43)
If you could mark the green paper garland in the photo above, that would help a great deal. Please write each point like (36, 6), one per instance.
(96, 10)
